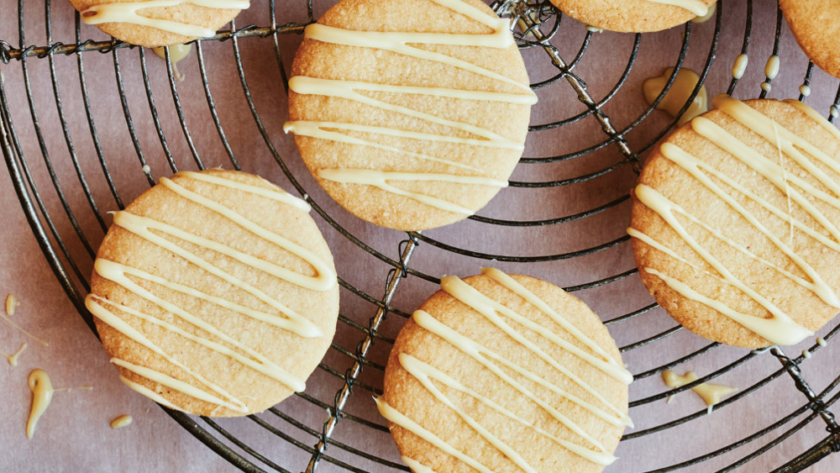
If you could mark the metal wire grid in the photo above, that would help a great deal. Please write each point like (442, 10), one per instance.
(541, 23)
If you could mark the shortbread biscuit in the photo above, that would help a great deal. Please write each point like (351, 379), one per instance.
(632, 16)
(816, 26)
(215, 293)
(157, 25)
(505, 374)
(410, 121)
(735, 223)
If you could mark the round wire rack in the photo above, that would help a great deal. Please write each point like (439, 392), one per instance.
(53, 201)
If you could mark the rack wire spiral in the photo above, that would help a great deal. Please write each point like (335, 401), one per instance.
(68, 248)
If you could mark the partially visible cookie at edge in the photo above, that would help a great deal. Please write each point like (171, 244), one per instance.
(492, 351)
(714, 239)
(633, 16)
(166, 18)
(215, 293)
(816, 26)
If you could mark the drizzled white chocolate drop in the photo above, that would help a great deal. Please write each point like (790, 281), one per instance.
(11, 304)
(42, 393)
(177, 53)
(740, 66)
(121, 421)
(681, 89)
(771, 69)
(712, 394)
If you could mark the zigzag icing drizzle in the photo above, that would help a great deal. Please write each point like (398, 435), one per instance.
(779, 328)
(128, 12)
(399, 42)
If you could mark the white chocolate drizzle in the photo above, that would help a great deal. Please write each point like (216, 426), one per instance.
(697, 7)
(180, 386)
(141, 226)
(285, 318)
(395, 416)
(825, 124)
(490, 309)
(399, 42)
(22, 330)
(149, 393)
(326, 278)
(261, 365)
(129, 12)
(13, 358)
(321, 130)
(274, 194)
(596, 357)
(380, 179)
(416, 466)
(709, 14)
(779, 328)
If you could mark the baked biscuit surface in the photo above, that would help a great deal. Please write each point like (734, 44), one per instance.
(215, 293)
(499, 373)
(636, 16)
(735, 223)
(816, 26)
(410, 121)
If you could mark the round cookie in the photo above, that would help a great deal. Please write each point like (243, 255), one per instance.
(215, 293)
(633, 16)
(157, 25)
(410, 121)
(505, 373)
(735, 221)
(814, 25)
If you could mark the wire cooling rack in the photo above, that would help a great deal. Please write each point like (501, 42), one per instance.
(354, 373)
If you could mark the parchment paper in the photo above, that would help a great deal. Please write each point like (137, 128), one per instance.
(74, 434)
